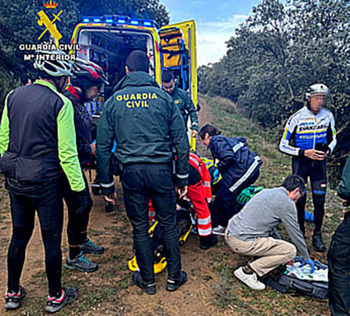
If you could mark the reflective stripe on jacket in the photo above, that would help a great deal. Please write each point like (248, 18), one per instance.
(196, 162)
(236, 162)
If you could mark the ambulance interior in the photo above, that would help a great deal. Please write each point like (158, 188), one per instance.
(109, 49)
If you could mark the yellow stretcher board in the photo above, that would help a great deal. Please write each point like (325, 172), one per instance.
(186, 30)
(162, 263)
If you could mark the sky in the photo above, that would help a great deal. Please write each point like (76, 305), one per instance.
(215, 21)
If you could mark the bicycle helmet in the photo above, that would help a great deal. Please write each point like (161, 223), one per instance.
(84, 69)
(317, 88)
(51, 65)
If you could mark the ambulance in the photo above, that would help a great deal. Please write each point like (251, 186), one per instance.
(108, 40)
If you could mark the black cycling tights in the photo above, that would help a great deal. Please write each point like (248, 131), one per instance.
(316, 171)
(16, 255)
(318, 211)
(49, 206)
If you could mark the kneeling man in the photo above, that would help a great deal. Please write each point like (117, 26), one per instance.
(248, 231)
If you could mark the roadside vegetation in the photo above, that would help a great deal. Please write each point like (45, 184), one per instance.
(281, 49)
(211, 289)
(229, 293)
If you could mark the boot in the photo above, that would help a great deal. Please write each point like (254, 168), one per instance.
(317, 242)
(149, 288)
(207, 242)
(173, 284)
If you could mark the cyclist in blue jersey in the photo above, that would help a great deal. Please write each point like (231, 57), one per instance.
(310, 137)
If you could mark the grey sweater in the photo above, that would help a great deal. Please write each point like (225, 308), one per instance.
(263, 213)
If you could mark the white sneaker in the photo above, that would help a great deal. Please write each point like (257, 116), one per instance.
(219, 229)
(249, 279)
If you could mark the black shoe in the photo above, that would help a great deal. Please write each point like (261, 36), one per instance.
(207, 242)
(174, 284)
(54, 304)
(148, 288)
(13, 299)
(317, 242)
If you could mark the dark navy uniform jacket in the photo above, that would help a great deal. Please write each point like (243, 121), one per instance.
(236, 162)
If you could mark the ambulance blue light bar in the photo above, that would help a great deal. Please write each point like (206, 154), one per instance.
(113, 19)
(109, 19)
(134, 22)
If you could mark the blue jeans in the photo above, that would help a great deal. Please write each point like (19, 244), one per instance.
(142, 182)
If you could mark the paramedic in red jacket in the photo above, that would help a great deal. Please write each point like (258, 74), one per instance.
(199, 193)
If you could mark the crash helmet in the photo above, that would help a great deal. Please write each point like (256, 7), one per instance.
(88, 70)
(317, 88)
(53, 63)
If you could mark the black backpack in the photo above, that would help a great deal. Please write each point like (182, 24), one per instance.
(314, 289)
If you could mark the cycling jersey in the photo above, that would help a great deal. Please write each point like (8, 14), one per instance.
(305, 129)
(37, 136)
(83, 126)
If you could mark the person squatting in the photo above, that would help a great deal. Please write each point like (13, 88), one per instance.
(45, 145)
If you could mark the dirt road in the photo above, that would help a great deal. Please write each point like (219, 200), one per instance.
(109, 290)
(211, 289)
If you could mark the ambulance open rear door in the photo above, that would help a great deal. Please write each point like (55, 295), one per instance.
(179, 54)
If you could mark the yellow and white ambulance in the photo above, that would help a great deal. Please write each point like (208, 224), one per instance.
(107, 41)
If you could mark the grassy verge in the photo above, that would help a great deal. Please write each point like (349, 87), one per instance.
(229, 294)
(212, 289)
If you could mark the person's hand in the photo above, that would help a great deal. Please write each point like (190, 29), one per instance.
(181, 191)
(315, 154)
(310, 263)
(194, 133)
(111, 198)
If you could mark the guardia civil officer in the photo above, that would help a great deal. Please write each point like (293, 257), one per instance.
(146, 125)
(182, 100)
